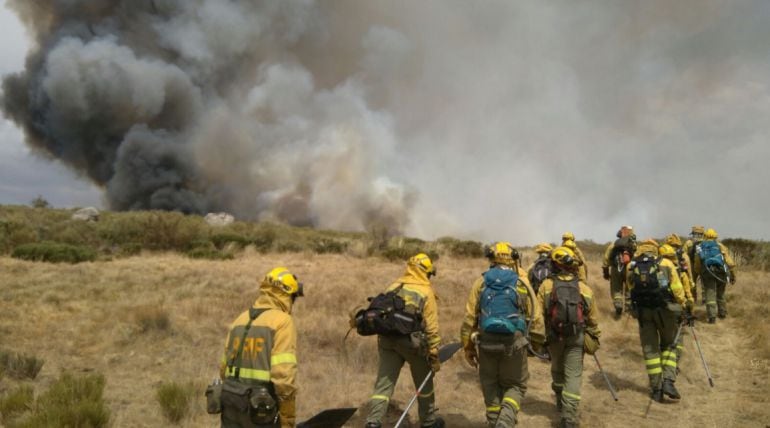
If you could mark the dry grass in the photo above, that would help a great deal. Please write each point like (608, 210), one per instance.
(87, 317)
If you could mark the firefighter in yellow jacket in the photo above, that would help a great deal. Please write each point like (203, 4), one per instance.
(259, 365)
(499, 305)
(420, 349)
(616, 256)
(568, 240)
(716, 268)
(571, 327)
(658, 299)
(668, 252)
(696, 236)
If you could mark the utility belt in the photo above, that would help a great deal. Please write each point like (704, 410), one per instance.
(256, 399)
(501, 343)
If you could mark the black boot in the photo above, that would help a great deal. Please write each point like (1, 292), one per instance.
(712, 320)
(567, 424)
(438, 423)
(373, 425)
(558, 401)
(657, 395)
(670, 390)
(618, 311)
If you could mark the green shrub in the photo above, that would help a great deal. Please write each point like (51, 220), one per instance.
(326, 245)
(222, 239)
(14, 233)
(458, 248)
(15, 402)
(20, 366)
(54, 252)
(285, 246)
(209, 254)
(71, 402)
(175, 399)
(130, 249)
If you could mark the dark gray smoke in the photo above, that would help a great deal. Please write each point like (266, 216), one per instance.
(512, 120)
(204, 105)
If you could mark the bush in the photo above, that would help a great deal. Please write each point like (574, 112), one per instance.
(15, 402)
(152, 318)
(71, 402)
(15, 233)
(54, 252)
(457, 248)
(209, 254)
(326, 245)
(220, 240)
(20, 366)
(174, 400)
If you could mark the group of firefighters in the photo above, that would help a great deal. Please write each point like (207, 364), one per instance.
(547, 311)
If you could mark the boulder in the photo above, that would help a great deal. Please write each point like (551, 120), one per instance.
(219, 219)
(86, 214)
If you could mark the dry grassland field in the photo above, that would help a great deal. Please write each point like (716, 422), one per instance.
(93, 318)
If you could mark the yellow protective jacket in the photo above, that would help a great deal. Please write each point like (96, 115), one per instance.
(684, 275)
(418, 292)
(676, 290)
(590, 313)
(531, 310)
(728, 261)
(269, 351)
(606, 262)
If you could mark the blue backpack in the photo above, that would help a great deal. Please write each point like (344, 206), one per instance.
(711, 255)
(499, 306)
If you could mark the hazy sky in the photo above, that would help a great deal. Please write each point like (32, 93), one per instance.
(495, 120)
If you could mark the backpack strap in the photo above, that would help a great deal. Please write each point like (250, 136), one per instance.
(254, 313)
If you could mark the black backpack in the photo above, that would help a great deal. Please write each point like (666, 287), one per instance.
(388, 315)
(650, 282)
(541, 270)
(565, 309)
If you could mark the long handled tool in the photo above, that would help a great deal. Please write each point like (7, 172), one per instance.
(444, 354)
(702, 358)
(606, 379)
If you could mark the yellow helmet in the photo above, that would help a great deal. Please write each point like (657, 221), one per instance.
(697, 230)
(564, 257)
(424, 263)
(570, 244)
(502, 253)
(667, 251)
(710, 234)
(568, 236)
(543, 248)
(673, 240)
(285, 281)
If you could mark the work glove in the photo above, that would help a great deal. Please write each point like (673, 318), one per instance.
(590, 343)
(606, 273)
(287, 409)
(435, 363)
(732, 277)
(471, 356)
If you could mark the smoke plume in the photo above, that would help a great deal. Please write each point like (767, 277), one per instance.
(500, 120)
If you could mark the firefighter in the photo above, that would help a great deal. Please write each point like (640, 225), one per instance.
(696, 236)
(682, 266)
(499, 305)
(658, 299)
(568, 240)
(571, 329)
(260, 357)
(616, 257)
(716, 268)
(541, 268)
(419, 349)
